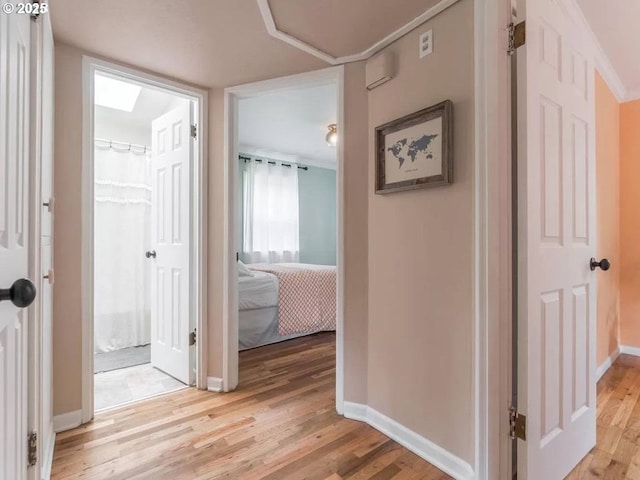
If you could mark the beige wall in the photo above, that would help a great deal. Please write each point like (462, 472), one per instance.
(420, 369)
(630, 223)
(607, 218)
(67, 294)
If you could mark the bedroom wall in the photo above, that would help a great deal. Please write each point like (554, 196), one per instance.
(607, 218)
(421, 263)
(318, 209)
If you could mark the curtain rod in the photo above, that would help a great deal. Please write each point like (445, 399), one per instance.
(124, 144)
(271, 162)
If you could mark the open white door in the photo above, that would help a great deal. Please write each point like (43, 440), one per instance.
(14, 243)
(556, 240)
(172, 151)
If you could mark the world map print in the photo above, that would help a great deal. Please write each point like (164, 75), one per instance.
(404, 148)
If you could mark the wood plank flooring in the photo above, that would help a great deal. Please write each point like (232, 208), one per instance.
(617, 453)
(279, 424)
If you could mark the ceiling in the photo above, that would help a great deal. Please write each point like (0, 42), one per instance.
(615, 24)
(342, 28)
(220, 43)
(290, 125)
(208, 43)
(149, 106)
(112, 124)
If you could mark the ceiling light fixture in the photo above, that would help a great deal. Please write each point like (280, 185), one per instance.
(116, 94)
(332, 136)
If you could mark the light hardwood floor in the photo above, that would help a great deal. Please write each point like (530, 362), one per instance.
(617, 452)
(279, 424)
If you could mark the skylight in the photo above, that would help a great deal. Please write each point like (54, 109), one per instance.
(117, 94)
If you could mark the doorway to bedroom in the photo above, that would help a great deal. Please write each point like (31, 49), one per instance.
(286, 218)
(143, 152)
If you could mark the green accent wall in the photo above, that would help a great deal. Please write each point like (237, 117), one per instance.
(318, 215)
(318, 210)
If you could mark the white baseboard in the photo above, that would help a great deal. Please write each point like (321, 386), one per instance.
(604, 366)
(635, 351)
(67, 421)
(214, 384)
(429, 451)
(48, 445)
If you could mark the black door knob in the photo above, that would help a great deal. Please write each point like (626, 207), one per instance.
(151, 254)
(604, 264)
(22, 293)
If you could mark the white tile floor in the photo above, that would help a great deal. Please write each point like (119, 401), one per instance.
(131, 384)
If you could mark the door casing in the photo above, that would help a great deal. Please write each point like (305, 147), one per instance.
(198, 215)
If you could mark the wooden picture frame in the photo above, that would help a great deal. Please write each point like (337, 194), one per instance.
(415, 151)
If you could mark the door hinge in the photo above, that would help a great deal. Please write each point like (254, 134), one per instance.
(517, 425)
(517, 37)
(32, 450)
(194, 130)
(193, 337)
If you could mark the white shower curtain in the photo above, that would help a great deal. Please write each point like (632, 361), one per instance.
(122, 234)
(271, 218)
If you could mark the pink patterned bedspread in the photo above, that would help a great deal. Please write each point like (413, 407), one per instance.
(306, 296)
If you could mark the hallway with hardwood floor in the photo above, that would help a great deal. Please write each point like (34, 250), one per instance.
(279, 424)
(617, 453)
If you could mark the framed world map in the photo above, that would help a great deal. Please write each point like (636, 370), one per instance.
(415, 151)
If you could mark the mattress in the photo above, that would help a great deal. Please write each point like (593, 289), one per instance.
(259, 291)
(259, 327)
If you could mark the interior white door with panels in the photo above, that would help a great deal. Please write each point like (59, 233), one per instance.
(14, 244)
(168, 254)
(556, 240)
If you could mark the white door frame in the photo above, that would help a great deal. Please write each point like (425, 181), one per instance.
(35, 239)
(492, 244)
(199, 217)
(332, 75)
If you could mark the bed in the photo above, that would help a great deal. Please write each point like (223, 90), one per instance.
(279, 302)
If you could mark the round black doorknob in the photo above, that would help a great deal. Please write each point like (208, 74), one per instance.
(22, 293)
(151, 254)
(604, 264)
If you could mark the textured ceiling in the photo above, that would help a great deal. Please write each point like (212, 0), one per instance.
(615, 24)
(208, 43)
(341, 28)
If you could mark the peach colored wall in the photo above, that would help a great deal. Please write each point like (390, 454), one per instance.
(421, 263)
(630, 223)
(607, 218)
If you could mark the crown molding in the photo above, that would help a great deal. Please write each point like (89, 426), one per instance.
(272, 29)
(632, 95)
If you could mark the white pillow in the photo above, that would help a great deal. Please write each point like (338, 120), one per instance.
(243, 270)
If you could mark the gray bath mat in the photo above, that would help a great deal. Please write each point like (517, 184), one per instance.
(123, 358)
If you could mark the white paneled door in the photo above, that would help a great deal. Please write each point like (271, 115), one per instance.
(14, 243)
(172, 152)
(556, 240)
